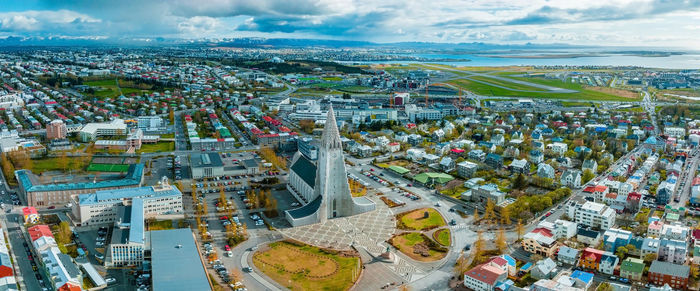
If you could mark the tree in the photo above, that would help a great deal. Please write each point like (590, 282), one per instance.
(587, 176)
(479, 243)
(621, 252)
(63, 161)
(520, 182)
(64, 233)
(648, 258)
(171, 115)
(505, 215)
(520, 229)
(476, 215)
(489, 212)
(501, 242)
(604, 286)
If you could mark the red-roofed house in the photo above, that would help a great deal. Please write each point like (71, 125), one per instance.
(590, 258)
(38, 231)
(69, 287)
(484, 277)
(30, 214)
(540, 241)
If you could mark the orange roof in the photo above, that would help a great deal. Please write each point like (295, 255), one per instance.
(5, 271)
(37, 231)
(611, 195)
(70, 287)
(601, 188)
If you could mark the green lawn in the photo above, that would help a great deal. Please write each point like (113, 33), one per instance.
(442, 236)
(160, 224)
(108, 168)
(406, 242)
(52, 164)
(583, 94)
(416, 220)
(169, 135)
(506, 84)
(108, 89)
(167, 146)
(455, 192)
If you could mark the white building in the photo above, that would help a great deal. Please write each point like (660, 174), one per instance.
(592, 214)
(93, 130)
(101, 207)
(675, 131)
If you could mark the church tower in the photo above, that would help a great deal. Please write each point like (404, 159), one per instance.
(331, 177)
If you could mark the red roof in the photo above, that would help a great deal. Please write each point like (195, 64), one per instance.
(592, 253)
(696, 181)
(5, 271)
(543, 231)
(600, 188)
(29, 210)
(457, 151)
(589, 189)
(38, 231)
(69, 287)
(484, 273)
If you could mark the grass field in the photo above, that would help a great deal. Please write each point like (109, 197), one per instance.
(306, 267)
(54, 164)
(442, 236)
(507, 84)
(585, 93)
(108, 168)
(406, 242)
(163, 146)
(108, 88)
(416, 220)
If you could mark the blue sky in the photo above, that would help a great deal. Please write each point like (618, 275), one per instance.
(664, 23)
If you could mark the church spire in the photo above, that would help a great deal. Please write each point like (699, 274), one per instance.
(331, 136)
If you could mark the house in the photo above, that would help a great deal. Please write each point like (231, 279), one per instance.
(590, 258)
(567, 255)
(393, 147)
(673, 251)
(587, 236)
(632, 268)
(650, 246)
(467, 169)
(654, 228)
(545, 171)
(582, 279)
(571, 178)
(544, 269)
(488, 191)
(520, 166)
(511, 152)
(497, 140)
(590, 164)
(608, 262)
(30, 215)
(614, 238)
(540, 241)
(592, 214)
(477, 155)
(511, 264)
(447, 164)
(486, 276)
(535, 156)
(558, 148)
(494, 161)
(674, 275)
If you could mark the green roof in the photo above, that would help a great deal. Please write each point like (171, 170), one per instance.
(632, 265)
(399, 169)
(672, 216)
(439, 178)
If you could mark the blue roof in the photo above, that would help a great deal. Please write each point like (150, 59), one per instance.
(509, 259)
(110, 196)
(583, 276)
(133, 177)
(137, 225)
(526, 266)
(175, 261)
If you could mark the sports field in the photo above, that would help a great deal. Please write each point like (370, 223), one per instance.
(107, 167)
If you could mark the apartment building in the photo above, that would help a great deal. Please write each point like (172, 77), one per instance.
(674, 275)
(92, 131)
(592, 214)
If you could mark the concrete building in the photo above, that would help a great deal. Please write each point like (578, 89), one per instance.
(101, 207)
(592, 214)
(331, 196)
(43, 195)
(175, 263)
(56, 130)
(674, 275)
(467, 169)
(206, 165)
(540, 241)
(92, 131)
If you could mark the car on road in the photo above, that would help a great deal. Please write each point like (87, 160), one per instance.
(247, 269)
(52, 207)
(612, 278)
(110, 280)
(624, 280)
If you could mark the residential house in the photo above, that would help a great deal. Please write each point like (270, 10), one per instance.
(540, 241)
(590, 258)
(520, 166)
(674, 275)
(486, 276)
(650, 246)
(567, 255)
(632, 269)
(614, 238)
(544, 269)
(654, 228)
(608, 262)
(535, 157)
(447, 164)
(467, 169)
(673, 251)
(588, 236)
(590, 164)
(30, 215)
(571, 178)
(592, 214)
(545, 171)
(558, 148)
(494, 161)
(477, 155)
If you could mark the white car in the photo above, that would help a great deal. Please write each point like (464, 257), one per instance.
(110, 280)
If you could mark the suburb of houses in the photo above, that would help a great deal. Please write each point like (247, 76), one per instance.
(202, 168)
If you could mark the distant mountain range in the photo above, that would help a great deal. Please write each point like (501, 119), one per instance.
(254, 42)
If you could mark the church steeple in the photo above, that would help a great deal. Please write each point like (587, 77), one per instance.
(331, 136)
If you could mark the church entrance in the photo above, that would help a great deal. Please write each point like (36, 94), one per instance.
(335, 211)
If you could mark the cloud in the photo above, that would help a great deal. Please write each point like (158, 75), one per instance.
(45, 20)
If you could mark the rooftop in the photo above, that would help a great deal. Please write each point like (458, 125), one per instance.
(117, 195)
(176, 263)
(133, 177)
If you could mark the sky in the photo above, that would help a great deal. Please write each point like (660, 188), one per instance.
(658, 23)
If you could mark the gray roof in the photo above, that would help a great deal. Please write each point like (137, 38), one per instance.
(175, 261)
(206, 160)
(567, 252)
(250, 163)
(667, 268)
(67, 262)
(306, 170)
(307, 209)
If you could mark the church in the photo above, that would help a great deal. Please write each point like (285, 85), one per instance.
(322, 187)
